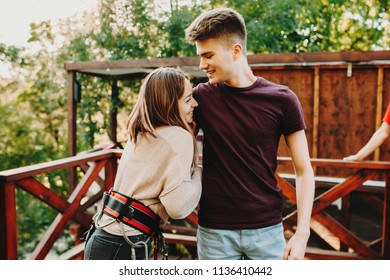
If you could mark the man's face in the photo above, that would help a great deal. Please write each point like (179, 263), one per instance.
(216, 59)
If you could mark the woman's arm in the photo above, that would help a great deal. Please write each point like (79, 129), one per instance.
(181, 201)
(375, 141)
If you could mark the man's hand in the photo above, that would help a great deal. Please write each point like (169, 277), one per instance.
(296, 247)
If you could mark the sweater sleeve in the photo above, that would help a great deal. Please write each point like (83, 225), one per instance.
(183, 195)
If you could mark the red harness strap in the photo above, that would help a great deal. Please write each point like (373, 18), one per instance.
(131, 212)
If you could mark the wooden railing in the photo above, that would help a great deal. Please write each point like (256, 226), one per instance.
(75, 208)
(69, 209)
(354, 246)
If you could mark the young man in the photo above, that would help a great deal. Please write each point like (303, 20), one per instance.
(243, 117)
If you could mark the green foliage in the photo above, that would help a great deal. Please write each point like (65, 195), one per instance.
(9, 53)
(33, 220)
(343, 25)
(174, 29)
(24, 140)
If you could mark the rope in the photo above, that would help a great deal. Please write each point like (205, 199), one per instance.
(133, 245)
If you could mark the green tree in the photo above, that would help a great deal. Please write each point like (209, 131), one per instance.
(313, 25)
(344, 25)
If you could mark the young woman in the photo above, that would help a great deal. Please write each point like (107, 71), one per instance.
(157, 175)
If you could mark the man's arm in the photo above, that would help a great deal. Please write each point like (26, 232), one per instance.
(297, 144)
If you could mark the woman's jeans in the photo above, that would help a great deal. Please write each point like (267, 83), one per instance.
(105, 246)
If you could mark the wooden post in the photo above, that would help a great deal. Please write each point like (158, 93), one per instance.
(8, 228)
(386, 220)
(316, 113)
(379, 104)
(114, 110)
(110, 172)
(345, 217)
(72, 131)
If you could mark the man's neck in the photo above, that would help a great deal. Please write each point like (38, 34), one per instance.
(244, 78)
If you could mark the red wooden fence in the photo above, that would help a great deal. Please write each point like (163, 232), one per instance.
(77, 207)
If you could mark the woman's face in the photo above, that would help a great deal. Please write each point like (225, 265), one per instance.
(187, 103)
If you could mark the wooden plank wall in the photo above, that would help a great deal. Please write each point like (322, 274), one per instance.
(343, 106)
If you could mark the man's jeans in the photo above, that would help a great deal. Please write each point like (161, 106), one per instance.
(252, 244)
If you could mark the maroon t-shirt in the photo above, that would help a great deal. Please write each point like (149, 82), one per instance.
(242, 128)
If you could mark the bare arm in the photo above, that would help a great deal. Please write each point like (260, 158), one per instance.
(375, 141)
(297, 144)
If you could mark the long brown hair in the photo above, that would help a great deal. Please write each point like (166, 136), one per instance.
(157, 104)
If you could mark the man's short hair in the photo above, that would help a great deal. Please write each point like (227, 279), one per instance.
(222, 23)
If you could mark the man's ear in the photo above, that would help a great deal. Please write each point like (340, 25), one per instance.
(237, 51)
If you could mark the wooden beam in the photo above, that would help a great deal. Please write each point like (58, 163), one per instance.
(379, 104)
(341, 189)
(283, 58)
(288, 190)
(321, 254)
(316, 112)
(346, 236)
(336, 192)
(339, 163)
(110, 173)
(180, 239)
(350, 56)
(51, 198)
(72, 128)
(8, 225)
(320, 239)
(59, 223)
(386, 220)
(92, 200)
(132, 63)
(114, 111)
(345, 216)
(72, 148)
(59, 164)
(174, 229)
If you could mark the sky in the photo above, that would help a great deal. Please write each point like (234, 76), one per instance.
(16, 16)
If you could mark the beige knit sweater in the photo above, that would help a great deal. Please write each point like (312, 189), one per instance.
(158, 173)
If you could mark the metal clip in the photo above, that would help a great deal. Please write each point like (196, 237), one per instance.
(162, 246)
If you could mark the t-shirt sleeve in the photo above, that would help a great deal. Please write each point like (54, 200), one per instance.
(293, 118)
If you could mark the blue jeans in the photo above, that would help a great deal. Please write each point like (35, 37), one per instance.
(105, 246)
(249, 244)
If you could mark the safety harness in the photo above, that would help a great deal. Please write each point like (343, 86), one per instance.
(133, 213)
